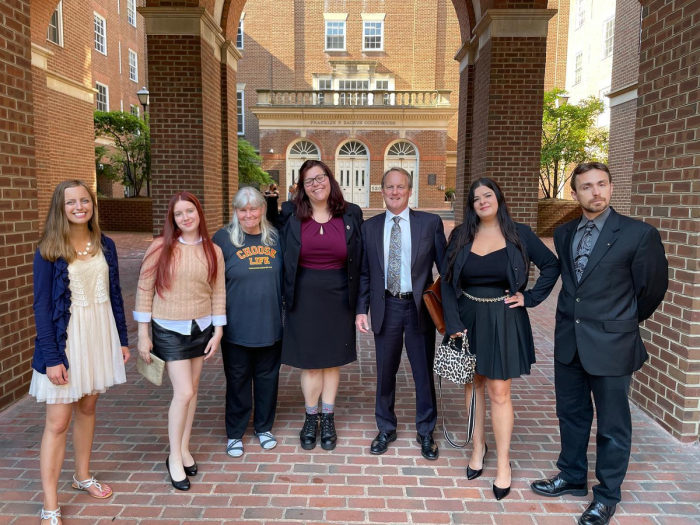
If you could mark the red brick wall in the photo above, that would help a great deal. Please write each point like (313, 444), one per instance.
(621, 153)
(464, 145)
(105, 69)
(18, 202)
(177, 142)
(557, 41)
(666, 194)
(554, 212)
(126, 215)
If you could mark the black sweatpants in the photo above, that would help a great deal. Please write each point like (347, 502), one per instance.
(244, 365)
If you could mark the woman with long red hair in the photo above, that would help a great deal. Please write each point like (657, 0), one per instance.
(182, 295)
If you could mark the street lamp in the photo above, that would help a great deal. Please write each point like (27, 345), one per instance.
(143, 97)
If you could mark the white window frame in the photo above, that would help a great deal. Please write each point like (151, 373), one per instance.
(326, 35)
(135, 76)
(136, 107)
(98, 85)
(580, 13)
(59, 25)
(104, 28)
(131, 12)
(240, 34)
(381, 35)
(608, 41)
(578, 68)
(240, 111)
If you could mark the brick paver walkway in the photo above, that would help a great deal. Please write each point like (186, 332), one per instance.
(347, 485)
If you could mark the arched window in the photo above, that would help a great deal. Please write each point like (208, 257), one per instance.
(353, 148)
(304, 148)
(402, 149)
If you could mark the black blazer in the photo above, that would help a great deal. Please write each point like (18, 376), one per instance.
(625, 280)
(427, 247)
(536, 251)
(290, 236)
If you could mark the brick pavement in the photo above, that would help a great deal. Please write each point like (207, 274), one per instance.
(347, 485)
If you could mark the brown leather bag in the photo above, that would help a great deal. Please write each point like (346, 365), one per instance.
(432, 297)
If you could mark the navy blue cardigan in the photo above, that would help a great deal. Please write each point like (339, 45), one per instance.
(52, 306)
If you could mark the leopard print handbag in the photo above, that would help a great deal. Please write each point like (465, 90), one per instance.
(459, 366)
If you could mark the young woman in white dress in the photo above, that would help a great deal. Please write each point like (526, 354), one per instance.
(81, 343)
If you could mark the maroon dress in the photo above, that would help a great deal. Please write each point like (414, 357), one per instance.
(319, 330)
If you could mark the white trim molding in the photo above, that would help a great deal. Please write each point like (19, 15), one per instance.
(513, 23)
(623, 94)
(373, 17)
(40, 56)
(335, 17)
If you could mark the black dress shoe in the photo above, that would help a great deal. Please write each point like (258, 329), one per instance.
(183, 484)
(308, 432)
(473, 474)
(381, 442)
(328, 434)
(191, 470)
(428, 447)
(558, 487)
(597, 513)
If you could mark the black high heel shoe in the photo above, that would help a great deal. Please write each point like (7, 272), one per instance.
(183, 484)
(502, 493)
(473, 474)
(191, 470)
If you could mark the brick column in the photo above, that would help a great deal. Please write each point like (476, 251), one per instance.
(185, 83)
(465, 57)
(18, 202)
(666, 193)
(509, 50)
(229, 126)
(623, 101)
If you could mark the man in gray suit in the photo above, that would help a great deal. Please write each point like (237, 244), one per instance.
(400, 248)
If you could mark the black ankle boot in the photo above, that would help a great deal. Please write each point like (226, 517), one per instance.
(328, 435)
(309, 431)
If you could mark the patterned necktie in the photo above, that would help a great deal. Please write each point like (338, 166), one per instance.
(583, 250)
(394, 270)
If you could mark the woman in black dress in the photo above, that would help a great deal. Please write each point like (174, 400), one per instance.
(322, 256)
(271, 198)
(486, 272)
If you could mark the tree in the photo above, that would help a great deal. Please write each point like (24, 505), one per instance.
(249, 170)
(131, 159)
(569, 136)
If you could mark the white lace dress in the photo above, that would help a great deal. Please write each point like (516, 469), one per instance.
(93, 348)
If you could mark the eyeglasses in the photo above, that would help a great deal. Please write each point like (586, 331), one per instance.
(318, 178)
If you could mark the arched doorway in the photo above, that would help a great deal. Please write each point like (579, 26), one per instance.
(298, 153)
(403, 154)
(352, 169)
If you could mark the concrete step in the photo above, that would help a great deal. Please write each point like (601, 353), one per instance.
(446, 214)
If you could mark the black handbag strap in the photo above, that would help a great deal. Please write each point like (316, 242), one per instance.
(470, 422)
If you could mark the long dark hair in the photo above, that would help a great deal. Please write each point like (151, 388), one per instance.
(336, 202)
(465, 234)
(165, 254)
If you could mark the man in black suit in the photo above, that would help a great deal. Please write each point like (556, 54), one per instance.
(614, 275)
(399, 250)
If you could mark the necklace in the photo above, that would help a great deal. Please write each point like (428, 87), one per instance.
(87, 249)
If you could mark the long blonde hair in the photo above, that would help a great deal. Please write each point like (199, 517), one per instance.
(55, 240)
(241, 199)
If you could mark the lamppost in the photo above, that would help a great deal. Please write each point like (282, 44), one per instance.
(143, 98)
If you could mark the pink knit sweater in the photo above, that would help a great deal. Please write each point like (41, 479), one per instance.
(190, 295)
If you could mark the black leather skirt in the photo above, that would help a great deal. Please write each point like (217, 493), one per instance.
(172, 346)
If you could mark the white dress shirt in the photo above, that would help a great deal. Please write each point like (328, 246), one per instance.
(182, 327)
(405, 224)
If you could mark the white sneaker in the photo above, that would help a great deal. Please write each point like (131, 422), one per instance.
(267, 440)
(234, 448)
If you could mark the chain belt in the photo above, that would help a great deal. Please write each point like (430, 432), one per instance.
(484, 299)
